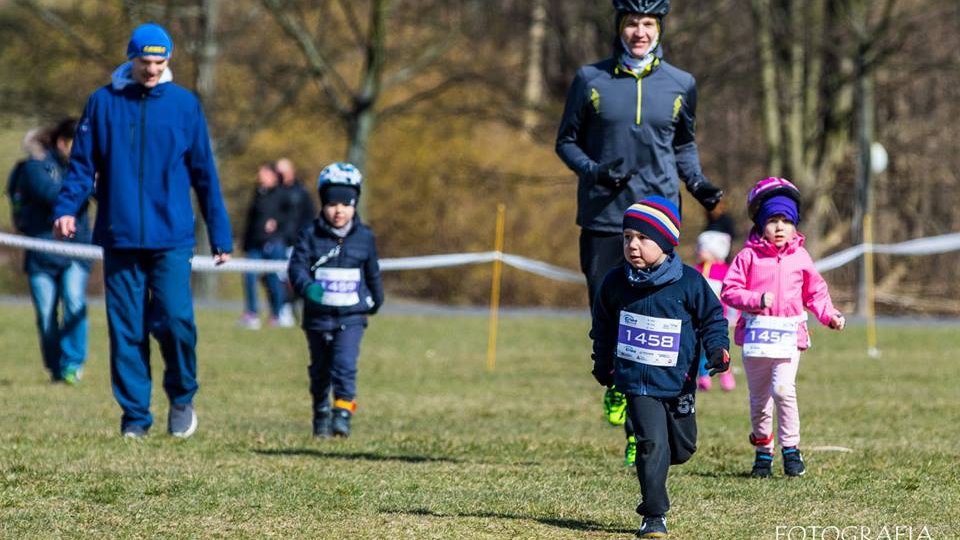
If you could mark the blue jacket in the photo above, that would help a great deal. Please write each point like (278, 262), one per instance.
(39, 183)
(648, 120)
(142, 150)
(318, 249)
(688, 299)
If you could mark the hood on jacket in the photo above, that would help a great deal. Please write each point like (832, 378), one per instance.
(121, 78)
(757, 242)
(33, 143)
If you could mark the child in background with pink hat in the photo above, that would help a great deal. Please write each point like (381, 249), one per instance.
(771, 281)
(713, 247)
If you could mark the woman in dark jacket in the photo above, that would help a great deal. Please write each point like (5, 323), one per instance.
(628, 131)
(54, 279)
(264, 239)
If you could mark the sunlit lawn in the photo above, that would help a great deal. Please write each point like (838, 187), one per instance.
(443, 448)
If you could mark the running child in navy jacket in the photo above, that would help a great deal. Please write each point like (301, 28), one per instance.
(334, 267)
(651, 317)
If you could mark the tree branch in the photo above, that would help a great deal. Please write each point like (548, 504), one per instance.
(54, 21)
(435, 91)
(236, 140)
(426, 59)
(353, 22)
(319, 65)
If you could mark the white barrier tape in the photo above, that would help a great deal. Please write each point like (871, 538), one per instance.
(919, 246)
(205, 264)
(543, 269)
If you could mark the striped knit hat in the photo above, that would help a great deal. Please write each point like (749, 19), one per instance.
(656, 218)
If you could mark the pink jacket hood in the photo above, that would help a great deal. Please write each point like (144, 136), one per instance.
(788, 273)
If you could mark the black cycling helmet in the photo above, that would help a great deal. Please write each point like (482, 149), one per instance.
(658, 8)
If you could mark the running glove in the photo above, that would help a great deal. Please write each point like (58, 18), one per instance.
(718, 362)
(603, 374)
(608, 176)
(708, 194)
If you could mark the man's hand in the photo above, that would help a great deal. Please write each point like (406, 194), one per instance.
(220, 258)
(718, 362)
(609, 177)
(270, 226)
(708, 194)
(766, 300)
(65, 227)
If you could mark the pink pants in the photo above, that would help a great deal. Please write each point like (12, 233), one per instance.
(773, 381)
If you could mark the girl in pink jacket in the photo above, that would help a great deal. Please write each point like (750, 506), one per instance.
(771, 281)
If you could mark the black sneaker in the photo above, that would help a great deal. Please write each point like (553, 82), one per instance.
(761, 465)
(340, 422)
(321, 423)
(793, 462)
(653, 527)
(182, 421)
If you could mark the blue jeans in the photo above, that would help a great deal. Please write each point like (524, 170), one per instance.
(276, 295)
(333, 363)
(148, 292)
(63, 342)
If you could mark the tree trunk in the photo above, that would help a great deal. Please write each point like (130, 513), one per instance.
(760, 9)
(533, 90)
(205, 283)
(363, 116)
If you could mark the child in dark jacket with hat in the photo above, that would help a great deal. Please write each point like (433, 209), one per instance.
(651, 316)
(334, 267)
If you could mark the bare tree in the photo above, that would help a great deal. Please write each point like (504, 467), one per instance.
(807, 96)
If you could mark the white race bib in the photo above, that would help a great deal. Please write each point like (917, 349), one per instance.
(770, 337)
(341, 286)
(648, 340)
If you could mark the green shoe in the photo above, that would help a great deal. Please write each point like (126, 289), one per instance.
(72, 376)
(630, 452)
(614, 407)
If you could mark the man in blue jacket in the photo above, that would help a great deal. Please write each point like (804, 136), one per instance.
(141, 145)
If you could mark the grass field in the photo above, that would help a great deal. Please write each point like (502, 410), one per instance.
(444, 449)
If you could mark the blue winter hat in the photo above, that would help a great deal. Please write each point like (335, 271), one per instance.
(777, 205)
(149, 40)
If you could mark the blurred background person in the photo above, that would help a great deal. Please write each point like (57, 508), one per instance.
(55, 280)
(264, 239)
(719, 220)
(300, 213)
(713, 248)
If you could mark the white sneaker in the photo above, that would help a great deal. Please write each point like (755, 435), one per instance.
(250, 321)
(286, 320)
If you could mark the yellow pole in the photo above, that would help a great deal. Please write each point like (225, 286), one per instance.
(495, 290)
(872, 350)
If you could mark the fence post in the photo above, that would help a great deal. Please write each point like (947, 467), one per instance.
(495, 289)
(870, 310)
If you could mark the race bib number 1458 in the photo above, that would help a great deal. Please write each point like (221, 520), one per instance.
(648, 340)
